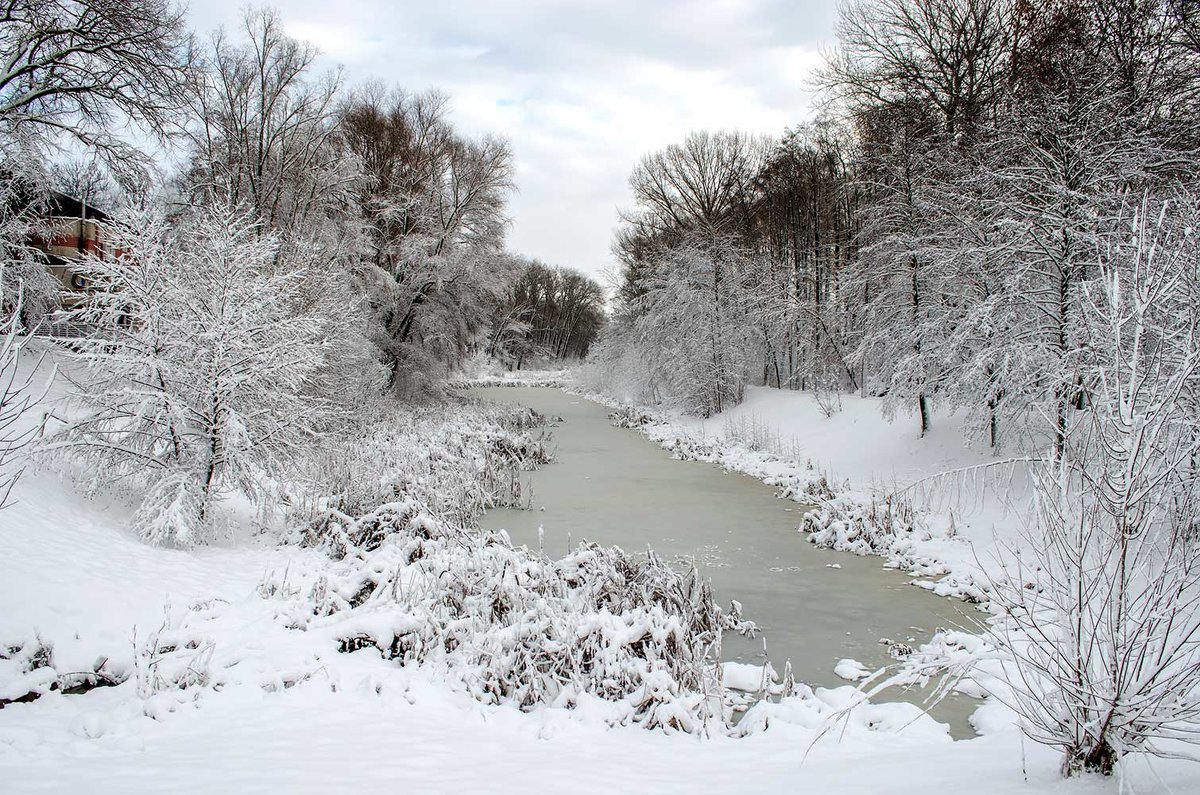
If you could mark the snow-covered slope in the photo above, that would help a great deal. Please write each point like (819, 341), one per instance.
(855, 441)
(357, 722)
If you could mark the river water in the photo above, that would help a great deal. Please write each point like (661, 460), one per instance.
(814, 606)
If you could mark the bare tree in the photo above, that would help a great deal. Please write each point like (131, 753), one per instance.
(264, 130)
(1103, 618)
(88, 181)
(702, 184)
(950, 54)
(75, 72)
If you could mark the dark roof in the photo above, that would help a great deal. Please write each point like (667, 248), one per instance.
(26, 196)
(60, 204)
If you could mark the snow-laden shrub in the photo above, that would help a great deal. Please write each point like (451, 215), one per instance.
(891, 528)
(1102, 615)
(1101, 606)
(206, 370)
(171, 513)
(28, 671)
(509, 626)
(456, 459)
(629, 417)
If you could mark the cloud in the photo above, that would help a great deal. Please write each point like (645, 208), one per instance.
(582, 89)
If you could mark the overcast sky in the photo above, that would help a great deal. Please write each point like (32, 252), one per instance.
(582, 88)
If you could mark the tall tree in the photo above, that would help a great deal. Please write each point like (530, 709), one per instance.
(432, 205)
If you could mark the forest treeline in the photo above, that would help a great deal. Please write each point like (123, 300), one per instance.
(935, 235)
(312, 251)
(368, 187)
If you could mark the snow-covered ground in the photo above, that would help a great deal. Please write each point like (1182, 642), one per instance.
(355, 721)
(855, 441)
(293, 714)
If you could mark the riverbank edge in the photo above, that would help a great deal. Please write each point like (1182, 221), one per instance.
(920, 542)
(839, 515)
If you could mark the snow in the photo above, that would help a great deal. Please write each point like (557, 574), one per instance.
(857, 442)
(851, 670)
(276, 709)
(748, 677)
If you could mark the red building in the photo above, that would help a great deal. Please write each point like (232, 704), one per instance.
(71, 230)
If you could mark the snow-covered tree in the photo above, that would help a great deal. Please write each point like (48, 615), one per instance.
(695, 318)
(198, 379)
(431, 206)
(1102, 614)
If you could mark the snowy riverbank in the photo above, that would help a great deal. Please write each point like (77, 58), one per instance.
(232, 681)
(927, 505)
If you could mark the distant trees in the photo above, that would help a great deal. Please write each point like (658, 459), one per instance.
(682, 250)
(699, 186)
(88, 181)
(804, 232)
(263, 131)
(689, 339)
(696, 312)
(551, 313)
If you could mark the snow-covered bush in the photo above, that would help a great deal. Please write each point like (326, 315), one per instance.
(891, 528)
(1102, 613)
(411, 577)
(203, 370)
(28, 671)
(456, 460)
(509, 626)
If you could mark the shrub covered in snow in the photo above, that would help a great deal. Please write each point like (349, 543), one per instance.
(509, 626)
(891, 528)
(28, 671)
(455, 459)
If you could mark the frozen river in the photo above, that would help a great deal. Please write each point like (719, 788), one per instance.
(814, 606)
